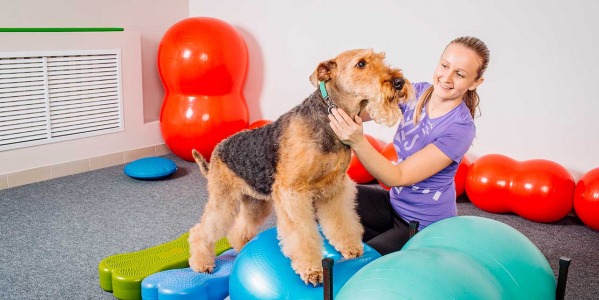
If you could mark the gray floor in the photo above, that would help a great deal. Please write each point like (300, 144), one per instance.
(54, 233)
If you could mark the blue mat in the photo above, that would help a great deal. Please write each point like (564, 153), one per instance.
(183, 284)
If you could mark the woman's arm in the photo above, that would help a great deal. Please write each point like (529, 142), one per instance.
(419, 166)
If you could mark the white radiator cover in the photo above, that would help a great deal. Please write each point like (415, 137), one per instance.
(55, 96)
(136, 133)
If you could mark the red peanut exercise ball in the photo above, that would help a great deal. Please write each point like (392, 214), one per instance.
(389, 152)
(460, 176)
(203, 65)
(487, 183)
(259, 123)
(538, 190)
(356, 170)
(586, 199)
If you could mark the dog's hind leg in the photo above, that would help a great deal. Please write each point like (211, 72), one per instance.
(298, 232)
(218, 216)
(339, 220)
(252, 214)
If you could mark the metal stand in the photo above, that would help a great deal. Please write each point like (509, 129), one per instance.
(327, 268)
(562, 277)
(413, 228)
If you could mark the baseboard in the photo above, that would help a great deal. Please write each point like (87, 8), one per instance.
(24, 177)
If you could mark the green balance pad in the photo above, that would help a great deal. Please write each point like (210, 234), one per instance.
(122, 273)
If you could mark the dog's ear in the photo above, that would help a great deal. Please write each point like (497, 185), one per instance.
(322, 72)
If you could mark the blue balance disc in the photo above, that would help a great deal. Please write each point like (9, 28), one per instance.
(150, 168)
(184, 284)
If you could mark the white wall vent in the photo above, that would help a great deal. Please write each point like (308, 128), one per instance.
(54, 96)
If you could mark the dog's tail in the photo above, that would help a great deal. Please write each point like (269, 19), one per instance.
(201, 161)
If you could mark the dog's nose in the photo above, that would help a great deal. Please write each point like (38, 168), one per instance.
(398, 83)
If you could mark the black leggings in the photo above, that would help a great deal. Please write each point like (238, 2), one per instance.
(384, 229)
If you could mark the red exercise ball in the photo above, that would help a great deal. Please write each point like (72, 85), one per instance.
(460, 176)
(259, 123)
(356, 170)
(538, 190)
(390, 153)
(586, 199)
(487, 180)
(203, 65)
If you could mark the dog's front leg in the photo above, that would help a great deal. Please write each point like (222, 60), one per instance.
(298, 232)
(252, 214)
(339, 220)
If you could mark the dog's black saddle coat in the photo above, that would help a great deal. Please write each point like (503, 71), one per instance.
(253, 155)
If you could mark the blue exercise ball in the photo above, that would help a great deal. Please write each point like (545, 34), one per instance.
(261, 271)
(458, 258)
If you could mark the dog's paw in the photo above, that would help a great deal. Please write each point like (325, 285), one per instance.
(353, 252)
(312, 275)
(199, 265)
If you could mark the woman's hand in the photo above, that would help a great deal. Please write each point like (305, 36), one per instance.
(349, 131)
(417, 167)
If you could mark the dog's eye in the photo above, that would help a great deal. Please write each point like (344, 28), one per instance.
(361, 64)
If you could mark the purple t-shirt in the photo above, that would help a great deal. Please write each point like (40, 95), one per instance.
(434, 198)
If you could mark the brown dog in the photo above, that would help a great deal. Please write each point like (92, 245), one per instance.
(298, 164)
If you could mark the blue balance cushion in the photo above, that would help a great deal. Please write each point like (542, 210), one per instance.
(150, 168)
(184, 284)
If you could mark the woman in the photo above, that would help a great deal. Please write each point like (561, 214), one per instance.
(436, 132)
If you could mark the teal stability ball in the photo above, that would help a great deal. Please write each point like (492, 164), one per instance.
(458, 258)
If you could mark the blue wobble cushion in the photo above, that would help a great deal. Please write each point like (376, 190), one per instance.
(182, 284)
(150, 168)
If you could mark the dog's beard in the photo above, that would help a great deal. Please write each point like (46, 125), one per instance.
(387, 113)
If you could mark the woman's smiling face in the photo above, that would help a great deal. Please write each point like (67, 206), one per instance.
(456, 73)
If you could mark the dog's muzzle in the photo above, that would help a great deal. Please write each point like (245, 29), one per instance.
(398, 83)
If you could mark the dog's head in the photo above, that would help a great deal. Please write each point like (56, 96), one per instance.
(361, 79)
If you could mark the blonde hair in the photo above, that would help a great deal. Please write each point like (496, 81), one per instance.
(471, 97)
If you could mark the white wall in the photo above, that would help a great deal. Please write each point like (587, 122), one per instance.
(541, 94)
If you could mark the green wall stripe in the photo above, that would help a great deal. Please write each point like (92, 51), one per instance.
(75, 29)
